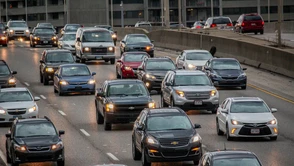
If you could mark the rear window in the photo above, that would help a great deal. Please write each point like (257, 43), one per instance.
(221, 21)
(252, 18)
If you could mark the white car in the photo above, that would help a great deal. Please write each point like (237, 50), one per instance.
(246, 117)
(222, 23)
(68, 41)
(193, 59)
(17, 103)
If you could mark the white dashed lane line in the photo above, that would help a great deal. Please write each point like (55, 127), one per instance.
(61, 112)
(43, 97)
(3, 158)
(84, 132)
(27, 84)
(112, 156)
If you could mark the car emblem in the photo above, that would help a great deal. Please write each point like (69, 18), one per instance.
(197, 94)
(131, 108)
(38, 148)
(16, 110)
(255, 125)
(174, 143)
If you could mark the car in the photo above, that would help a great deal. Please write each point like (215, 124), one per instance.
(34, 140)
(67, 41)
(246, 117)
(70, 28)
(70, 78)
(193, 59)
(43, 36)
(50, 61)
(137, 42)
(113, 33)
(7, 78)
(17, 29)
(17, 103)
(143, 24)
(221, 22)
(198, 25)
(3, 38)
(229, 157)
(165, 135)
(248, 23)
(47, 25)
(153, 70)
(121, 101)
(126, 66)
(189, 90)
(95, 44)
(226, 72)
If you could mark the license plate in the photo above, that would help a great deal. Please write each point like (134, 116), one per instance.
(45, 42)
(78, 87)
(98, 57)
(253, 24)
(14, 117)
(197, 102)
(255, 131)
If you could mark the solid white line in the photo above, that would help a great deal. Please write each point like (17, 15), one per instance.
(27, 84)
(112, 156)
(3, 157)
(84, 132)
(61, 112)
(43, 97)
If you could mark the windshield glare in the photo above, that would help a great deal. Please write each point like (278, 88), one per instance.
(18, 24)
(15, 96)
(226, 65)
(160, 65)
(35, 129)
(252, 18)
(97, 36)
(137, 39)
(134, 57)
(45, 25)
(44, 31)
(198, 56)
(69, 37)
(249, 107)
(75, 71)
(4, 70)
(59, 57)
(127, 89)
(72, 27)
(190, 80)
(221, 21)
(236, 162)
(168, 123)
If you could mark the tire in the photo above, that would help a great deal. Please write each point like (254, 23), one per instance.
(60, 163)
(229, 138)
(135, 152)
(255, 33)
(214, 110)
(261, 32)
(45, 81)
(117, 75)
(60, 93)
(243, 87)
(107, 126)
(106, 60)
(4, 45)
(55, 91)
(172, 103)
(41, 78)
(163, 104)
(143, 158)
(196, 162)
(218, 131)
(8, 159)
(112, 61)
(274, 138)
(83, 60)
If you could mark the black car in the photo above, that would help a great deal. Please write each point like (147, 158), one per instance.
(3, 37)
(50, 61)
(113, 33)
(34, 140)
(164, 135)
(153, 70)
(43, 36)
(226, 72)
(137, 42)
(121, 101)
(229, 157)
(7, 78)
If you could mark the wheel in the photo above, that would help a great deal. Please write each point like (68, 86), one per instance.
(274, 138)
(106, 60)
(33, 45)
(8, 159)
(60, 93)
(172, 103)
(4, 45)
(196, 162)
(135, 152)
(163, 104)
(144, 159)
(261, 32)
(41, 78)
(218, 131)
(55, 91)
(112, 61)
(60, 163)
(45, 81)
(107, 126)
(83, 60)
(255, 33)
(117, 75)
(214, 110)
(229, 138)
(93, 92)
(243, 87)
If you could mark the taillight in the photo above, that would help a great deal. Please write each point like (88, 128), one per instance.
(198, 27)
(243, 24)
(262, 22)
(229, 24)
(212, 25)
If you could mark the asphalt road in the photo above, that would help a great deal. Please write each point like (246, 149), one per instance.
(87, 144)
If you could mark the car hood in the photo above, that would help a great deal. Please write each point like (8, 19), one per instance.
(19, 28)
(69, 42)
(161, 73)
(57, 64)
(77, 78)
(132, 64)
(194, 88)
(252, 117)
(196, 62)
(15, 105)
(228, 73)
(130, 99)
(98, 44)
(139, 44)
(37, 141)
(2, 77)
(172, 134)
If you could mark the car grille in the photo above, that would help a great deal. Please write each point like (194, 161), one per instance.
(174, 154)
(159, 77)
(17, 113)
(229, 78)
(45, 38)
(19, 32)
(264, 130)
(39, 149)
(254, 124)
(139, 48)
(73, 46)
(174, 142)
(197, 95)
(3, 82)
(131, 107)
(77, 83)
(99, 50)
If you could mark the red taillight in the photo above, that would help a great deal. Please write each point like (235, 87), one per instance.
(262, 22)
(229, 24)
(243, 24)
(212, 25)
(198, 27)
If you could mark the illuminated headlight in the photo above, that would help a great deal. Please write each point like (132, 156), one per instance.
(114, 36)
(127, 68)
(151, 140)
(110, 49)
(11, 31)
(196, 138)
(190, 66)
(63, 82)
(57, 146)
(27, 31)
(2, 111)
(213, 93)
(109, 107)
(149, 48)
(151, 105)
(272, 122)
(54, 38)
(87, 49)
(12, 81)
(3, 38)
(91, 81)
(242, 75)
(36, 38)
(234, 122)
(180, 93)
(32, 109)
(150, 76)
(50, 69)
(20, 148)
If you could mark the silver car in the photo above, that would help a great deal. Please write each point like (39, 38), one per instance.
(17, 103)
(67, 41)
(193, 59)
(18, 29)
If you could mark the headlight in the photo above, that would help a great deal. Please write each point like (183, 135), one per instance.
(11, 30)
(213, 93)
(27, 31)
(150, 76)
(272, 122)
(3, 38)
(2, 111)
(32, 109)
(110, 49)
(36, 38)
(191, 66)
(63, 82)
(149, 48)
(127, 68)
(151, 140)
(234, 122)
(87, 49)
(109, 107)
(54, 38)
(20, 148)
(242, 75)
(196, 138)
(91, 81)
(50, 69)
(12, 81)
(57, 146)
(114, 36)
(180, 93)
(151, 105)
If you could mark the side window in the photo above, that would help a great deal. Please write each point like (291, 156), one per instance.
(226, 104)
(43, 56)
(168, 78)
(171, 79)
(223, 103)
(104, 88)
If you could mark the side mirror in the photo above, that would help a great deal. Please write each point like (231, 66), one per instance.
(119, 60)
(168, 84)
(215, 84)
(123, 41)
(140, 68)
(8, 135)
(61, 132)
(36, 98)
(6, 27)
(274, 110)
(79, 39)
(152, 41)
(244, 68)
(197, 126)
(140, 127)
(93, 73)
(41, 61)
(14, 72)
(55, 74)
(206, 68)
(115, 32)
(225, 111)
(100, 92)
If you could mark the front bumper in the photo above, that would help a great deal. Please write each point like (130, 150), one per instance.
(219, 82)
(77, 88)
(16, 35)
(49, 75)
(6, 85)
(250, 131)
(106, 56)
(128, 73)
(23, 157)
(10, 117)
(121, 117)
(207, 104)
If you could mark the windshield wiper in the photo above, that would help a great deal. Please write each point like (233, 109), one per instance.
(137, 94)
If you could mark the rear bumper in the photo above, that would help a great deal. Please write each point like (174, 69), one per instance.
(44, 42)
(252, 29)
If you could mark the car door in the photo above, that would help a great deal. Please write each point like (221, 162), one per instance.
(140, 133)
(223, 116)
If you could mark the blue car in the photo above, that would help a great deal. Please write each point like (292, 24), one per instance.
(74, 78)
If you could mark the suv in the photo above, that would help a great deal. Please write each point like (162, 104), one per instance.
(189, 90)
(164, 135)
(121, 101)
(250, 23)
(17, 29)
(7, 78)
(95, 44)
(221, 22)
(137, 42)
(50, 61)
(34, 140)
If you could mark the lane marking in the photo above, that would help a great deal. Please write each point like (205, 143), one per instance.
(27, 84)
(3, 157)
(43, 97)
(270, 93)
(112, 156)
(61, 112)
(84, 132)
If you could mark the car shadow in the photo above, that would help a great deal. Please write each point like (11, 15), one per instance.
(122, 127)
(251, 139)
(97, 63)
(228, 88)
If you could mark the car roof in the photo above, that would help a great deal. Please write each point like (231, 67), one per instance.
(135, 52)
(137, 34)
(33, 120)
(72, 64)
(242, 99)
(43, 27)
(188, 51)
(3, 62)
(94, 29)
(165, 111)
(231, 153)
(103, 25)
(44, 23)
(189, 72)
(222, 59)
(17, 89)
(72, 24)
(124, 81)
(159, 58)
(220, 17)
(16, 21)
(251, 14)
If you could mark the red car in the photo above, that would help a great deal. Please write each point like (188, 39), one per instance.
(127, 65)
(3, 38)
(250, 23)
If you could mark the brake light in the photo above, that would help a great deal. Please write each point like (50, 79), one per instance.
(262, 22)
(229, 24)
(243, 24)
(212, 25)
(198, 27)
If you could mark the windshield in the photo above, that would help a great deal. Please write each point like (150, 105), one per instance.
(252, 18)
(198, 56)
(69, 37)
(44, 31)
(168, 123)
(35, 129)
(2, 26)
(236, 162)
(69, 71)
(134, 57)
(137, 39)
(249, 107)
(129, 89)
(226, 65)
(15, 96)
(221, 21)
(45, 25)
(18, 24)
(97, 36)
(144, 25)
(72, 27)
(192, 80)
(105, 27)
(160, 65)
(4, 70)
(59, 57)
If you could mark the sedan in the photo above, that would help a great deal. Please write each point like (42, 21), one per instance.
(43, 36)
(246, 117)
(68, 41)
(74, 78)
(193, 59)
(137, 42)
